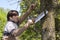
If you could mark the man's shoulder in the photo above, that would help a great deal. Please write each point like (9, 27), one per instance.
(9, 23)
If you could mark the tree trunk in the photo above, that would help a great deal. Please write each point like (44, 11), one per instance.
(48, 27)
(48, 22)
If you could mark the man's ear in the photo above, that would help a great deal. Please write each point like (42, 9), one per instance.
(10, 18)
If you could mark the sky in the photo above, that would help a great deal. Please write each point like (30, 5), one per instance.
(9, 4)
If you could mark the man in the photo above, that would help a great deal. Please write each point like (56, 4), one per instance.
(11, 30)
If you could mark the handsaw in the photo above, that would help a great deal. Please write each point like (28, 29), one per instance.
(40, 16)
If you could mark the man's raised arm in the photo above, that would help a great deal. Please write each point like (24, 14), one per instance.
(21, 19)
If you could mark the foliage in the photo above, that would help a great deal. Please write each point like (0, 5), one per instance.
(33, 32)
(2, 21)
(57, 25)
(31, 35)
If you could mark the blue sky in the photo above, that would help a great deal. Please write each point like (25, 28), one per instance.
(9, 4)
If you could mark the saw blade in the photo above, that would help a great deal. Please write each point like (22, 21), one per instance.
(40, 16)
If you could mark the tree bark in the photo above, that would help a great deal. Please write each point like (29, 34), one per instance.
(48, 22)
(48, 27)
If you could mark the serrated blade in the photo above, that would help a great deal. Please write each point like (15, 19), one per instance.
(40, 16)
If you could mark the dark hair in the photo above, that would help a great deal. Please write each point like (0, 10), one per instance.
(11, 13)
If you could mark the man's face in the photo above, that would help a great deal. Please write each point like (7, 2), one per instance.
(14, 17)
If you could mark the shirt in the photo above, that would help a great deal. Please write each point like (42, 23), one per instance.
(10, 26)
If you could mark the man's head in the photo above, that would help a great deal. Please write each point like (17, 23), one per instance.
(12, 15)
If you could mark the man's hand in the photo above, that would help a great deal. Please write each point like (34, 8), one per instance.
(32, 6)
(30, 21)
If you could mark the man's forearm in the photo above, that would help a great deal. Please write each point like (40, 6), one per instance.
(19, 31)
(25, 16)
